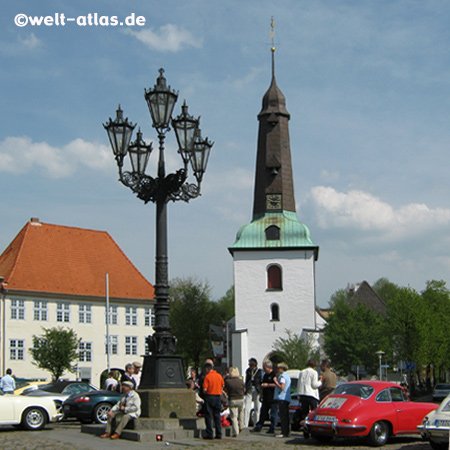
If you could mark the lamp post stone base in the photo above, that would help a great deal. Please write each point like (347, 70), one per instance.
(167, 403)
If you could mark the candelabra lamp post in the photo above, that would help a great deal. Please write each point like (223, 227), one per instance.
(162, 367)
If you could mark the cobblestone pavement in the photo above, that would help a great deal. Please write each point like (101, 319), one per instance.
(67, 436)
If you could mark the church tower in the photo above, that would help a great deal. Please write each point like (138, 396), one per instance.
(273, 256)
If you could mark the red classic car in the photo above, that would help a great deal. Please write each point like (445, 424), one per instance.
(374, 409)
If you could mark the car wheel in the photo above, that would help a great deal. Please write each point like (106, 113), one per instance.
(379, 434)
(439, 445)
(34, 419)
(101, 412)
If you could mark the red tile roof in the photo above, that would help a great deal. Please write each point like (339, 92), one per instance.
(65, 260)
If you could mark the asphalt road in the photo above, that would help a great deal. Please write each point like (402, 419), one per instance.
(67, 436)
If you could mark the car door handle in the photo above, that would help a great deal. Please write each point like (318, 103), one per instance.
(399, 410)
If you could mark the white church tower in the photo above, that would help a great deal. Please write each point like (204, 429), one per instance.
(273, 256)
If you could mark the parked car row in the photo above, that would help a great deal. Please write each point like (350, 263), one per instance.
(373, 409)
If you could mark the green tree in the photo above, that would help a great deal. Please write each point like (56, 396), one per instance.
(55, 350)
(405, 319)
(293, 350)
(385, 289)
(353, 335)
(191, 313)
(225, 305)
(436, 339)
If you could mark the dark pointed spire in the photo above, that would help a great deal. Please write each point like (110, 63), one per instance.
(274, 186)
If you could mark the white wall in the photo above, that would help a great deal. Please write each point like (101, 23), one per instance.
(253, 300)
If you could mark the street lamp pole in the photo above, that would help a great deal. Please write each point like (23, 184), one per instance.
(380, 354)
(162, 368)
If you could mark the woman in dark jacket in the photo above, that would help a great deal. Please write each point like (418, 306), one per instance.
(234, 387)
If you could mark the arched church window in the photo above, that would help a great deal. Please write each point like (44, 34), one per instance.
(274, 281)
(273, 233)
(275, 312)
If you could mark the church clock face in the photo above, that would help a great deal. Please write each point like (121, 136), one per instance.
(273, 202)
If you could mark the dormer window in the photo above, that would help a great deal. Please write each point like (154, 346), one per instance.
(273, 233)
(274, 281)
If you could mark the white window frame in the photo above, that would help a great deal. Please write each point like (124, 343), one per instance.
(63, 312)
(17, 309)
(131, 315)
(113, 315)
(85, 351)
(17, 349)
(131, 345)
(40, 310)
(113, 345)
(85, 313)
(149, 317)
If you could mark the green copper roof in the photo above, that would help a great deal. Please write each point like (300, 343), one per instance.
(292, 234)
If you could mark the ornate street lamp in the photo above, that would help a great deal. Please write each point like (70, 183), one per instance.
(162, 369)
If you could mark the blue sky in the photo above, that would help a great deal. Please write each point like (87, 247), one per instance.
(367, 85)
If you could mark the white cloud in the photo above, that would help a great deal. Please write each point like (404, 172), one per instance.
(19, 155)
(169, 38)
(358, 210)
(31, 42)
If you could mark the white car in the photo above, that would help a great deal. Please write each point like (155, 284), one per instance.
(30, 412)
(435, 426)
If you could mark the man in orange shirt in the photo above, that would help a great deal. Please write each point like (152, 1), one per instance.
(212, 390)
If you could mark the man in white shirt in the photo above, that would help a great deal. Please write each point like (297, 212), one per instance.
(8, 384)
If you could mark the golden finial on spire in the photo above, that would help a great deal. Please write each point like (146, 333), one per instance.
(271, 34)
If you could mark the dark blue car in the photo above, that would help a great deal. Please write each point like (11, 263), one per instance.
(90, 406)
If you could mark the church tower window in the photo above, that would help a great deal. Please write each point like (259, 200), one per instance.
(274, 279)
(275, 312)
(273, 233)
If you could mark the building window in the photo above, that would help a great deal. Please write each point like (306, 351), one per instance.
(275, 312)
(17, 309)
(62, 312)
(273, 233)
(149, 317)
(85, 352)
(16, 349)
(131, 315)
(85, 313)
(131, 346)
(113, 315)
(274, 278)
(113, 345)
(40, 310)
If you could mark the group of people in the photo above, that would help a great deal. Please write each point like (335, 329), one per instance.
(266, 391)
(132, 374)
(129, 406)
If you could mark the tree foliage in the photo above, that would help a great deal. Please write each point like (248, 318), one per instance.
(191, 312)
(55, 350)
(415, 328)
(293, 350)
(352, 337)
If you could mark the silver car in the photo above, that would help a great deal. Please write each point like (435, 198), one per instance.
(435, 426)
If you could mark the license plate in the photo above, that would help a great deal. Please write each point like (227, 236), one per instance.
(324, 418)
(442, 423)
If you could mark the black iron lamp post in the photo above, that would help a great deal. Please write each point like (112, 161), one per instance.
(162, 368)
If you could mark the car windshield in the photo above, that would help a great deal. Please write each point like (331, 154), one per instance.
(363, 391)
(446, 407)
(444, 387)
